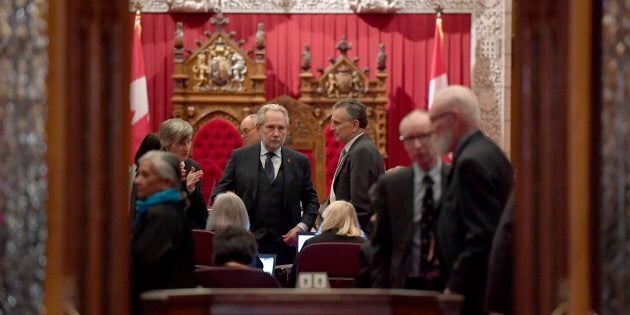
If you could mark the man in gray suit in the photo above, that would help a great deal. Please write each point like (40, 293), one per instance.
(404, 246)
(275, 184)
(360, 164)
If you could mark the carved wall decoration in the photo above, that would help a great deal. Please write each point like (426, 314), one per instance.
(490, 36)
(24, 171)
(614, 225)
(374, 6)
(219, 76)
(192, 5)
(342, 79)
(305, 134)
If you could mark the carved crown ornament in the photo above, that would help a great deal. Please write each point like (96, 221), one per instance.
(343, 78)
(218, 73)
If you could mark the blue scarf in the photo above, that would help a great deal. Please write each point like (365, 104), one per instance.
(169, 195)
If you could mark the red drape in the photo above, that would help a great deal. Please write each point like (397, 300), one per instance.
(408, 39)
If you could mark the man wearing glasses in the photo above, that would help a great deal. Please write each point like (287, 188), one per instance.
(360, 164)
(476, 194)
(405, 199)
(249, 132)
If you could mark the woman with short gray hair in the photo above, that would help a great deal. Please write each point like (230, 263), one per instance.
(176, 137)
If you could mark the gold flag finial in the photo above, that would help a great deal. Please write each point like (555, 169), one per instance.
(438, 10)
(137, 6)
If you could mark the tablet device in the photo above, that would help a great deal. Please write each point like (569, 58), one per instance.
(302, 237)
(269, 262)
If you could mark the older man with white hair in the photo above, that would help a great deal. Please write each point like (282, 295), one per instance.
(275, 184)
(477, 190)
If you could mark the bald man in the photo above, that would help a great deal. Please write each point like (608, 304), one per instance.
(477, 190)
(402, 213)
(249, 132)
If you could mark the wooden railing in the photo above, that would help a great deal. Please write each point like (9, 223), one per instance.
(298, 301)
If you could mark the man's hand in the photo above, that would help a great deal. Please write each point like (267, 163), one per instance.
(291, 237)
(192, 178)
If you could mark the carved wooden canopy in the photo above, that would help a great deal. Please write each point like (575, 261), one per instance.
(218, 78)
(341, 79)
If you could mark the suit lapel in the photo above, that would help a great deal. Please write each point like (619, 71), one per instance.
(407, 191)
(342, 163)
(253, 163)
(287, 165)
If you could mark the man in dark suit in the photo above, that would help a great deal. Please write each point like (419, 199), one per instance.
(360, 164)
(403, 246)
(275, 184)
(499, 287)
(478, 187)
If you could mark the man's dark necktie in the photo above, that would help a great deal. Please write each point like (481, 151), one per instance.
(429, 266)
(269, 170)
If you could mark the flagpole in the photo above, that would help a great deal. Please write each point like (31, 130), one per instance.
(138, 96)
(438, 78)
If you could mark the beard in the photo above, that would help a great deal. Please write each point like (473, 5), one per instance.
(443, 142)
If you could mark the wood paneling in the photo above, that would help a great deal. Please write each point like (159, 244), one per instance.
(88, 256)
(300, 301)
(551, 151)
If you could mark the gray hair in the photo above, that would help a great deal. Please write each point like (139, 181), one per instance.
(355, 109)
(462, 100)
(174, 130)
(260, 116)
(228, 210)
(165, 165)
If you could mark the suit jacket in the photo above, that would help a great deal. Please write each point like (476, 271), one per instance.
(357, 172)
(478, 188)
(393, 237)
(499, 288)
(241, 177)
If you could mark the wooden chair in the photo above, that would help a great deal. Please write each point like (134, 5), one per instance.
(203, 241)
(227, 277)
(339, 260)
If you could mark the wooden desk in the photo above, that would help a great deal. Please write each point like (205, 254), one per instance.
(202, 301)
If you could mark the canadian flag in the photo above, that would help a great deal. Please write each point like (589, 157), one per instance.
(438, 71)
(138, 97)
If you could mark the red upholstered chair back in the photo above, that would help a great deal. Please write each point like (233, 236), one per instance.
(226, 277)
(203, 242)
(333, 150)
(211, 175)
(211, 147)
(339, 260)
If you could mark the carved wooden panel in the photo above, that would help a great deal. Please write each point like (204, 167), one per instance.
(219, 77)
(344, 78)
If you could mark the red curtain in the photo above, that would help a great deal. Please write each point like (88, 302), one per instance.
(408, 40)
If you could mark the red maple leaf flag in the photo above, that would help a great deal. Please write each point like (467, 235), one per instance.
(138, 97)
(438, 70)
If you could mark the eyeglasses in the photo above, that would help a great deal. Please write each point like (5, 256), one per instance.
(422, 137)
(437, 117)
